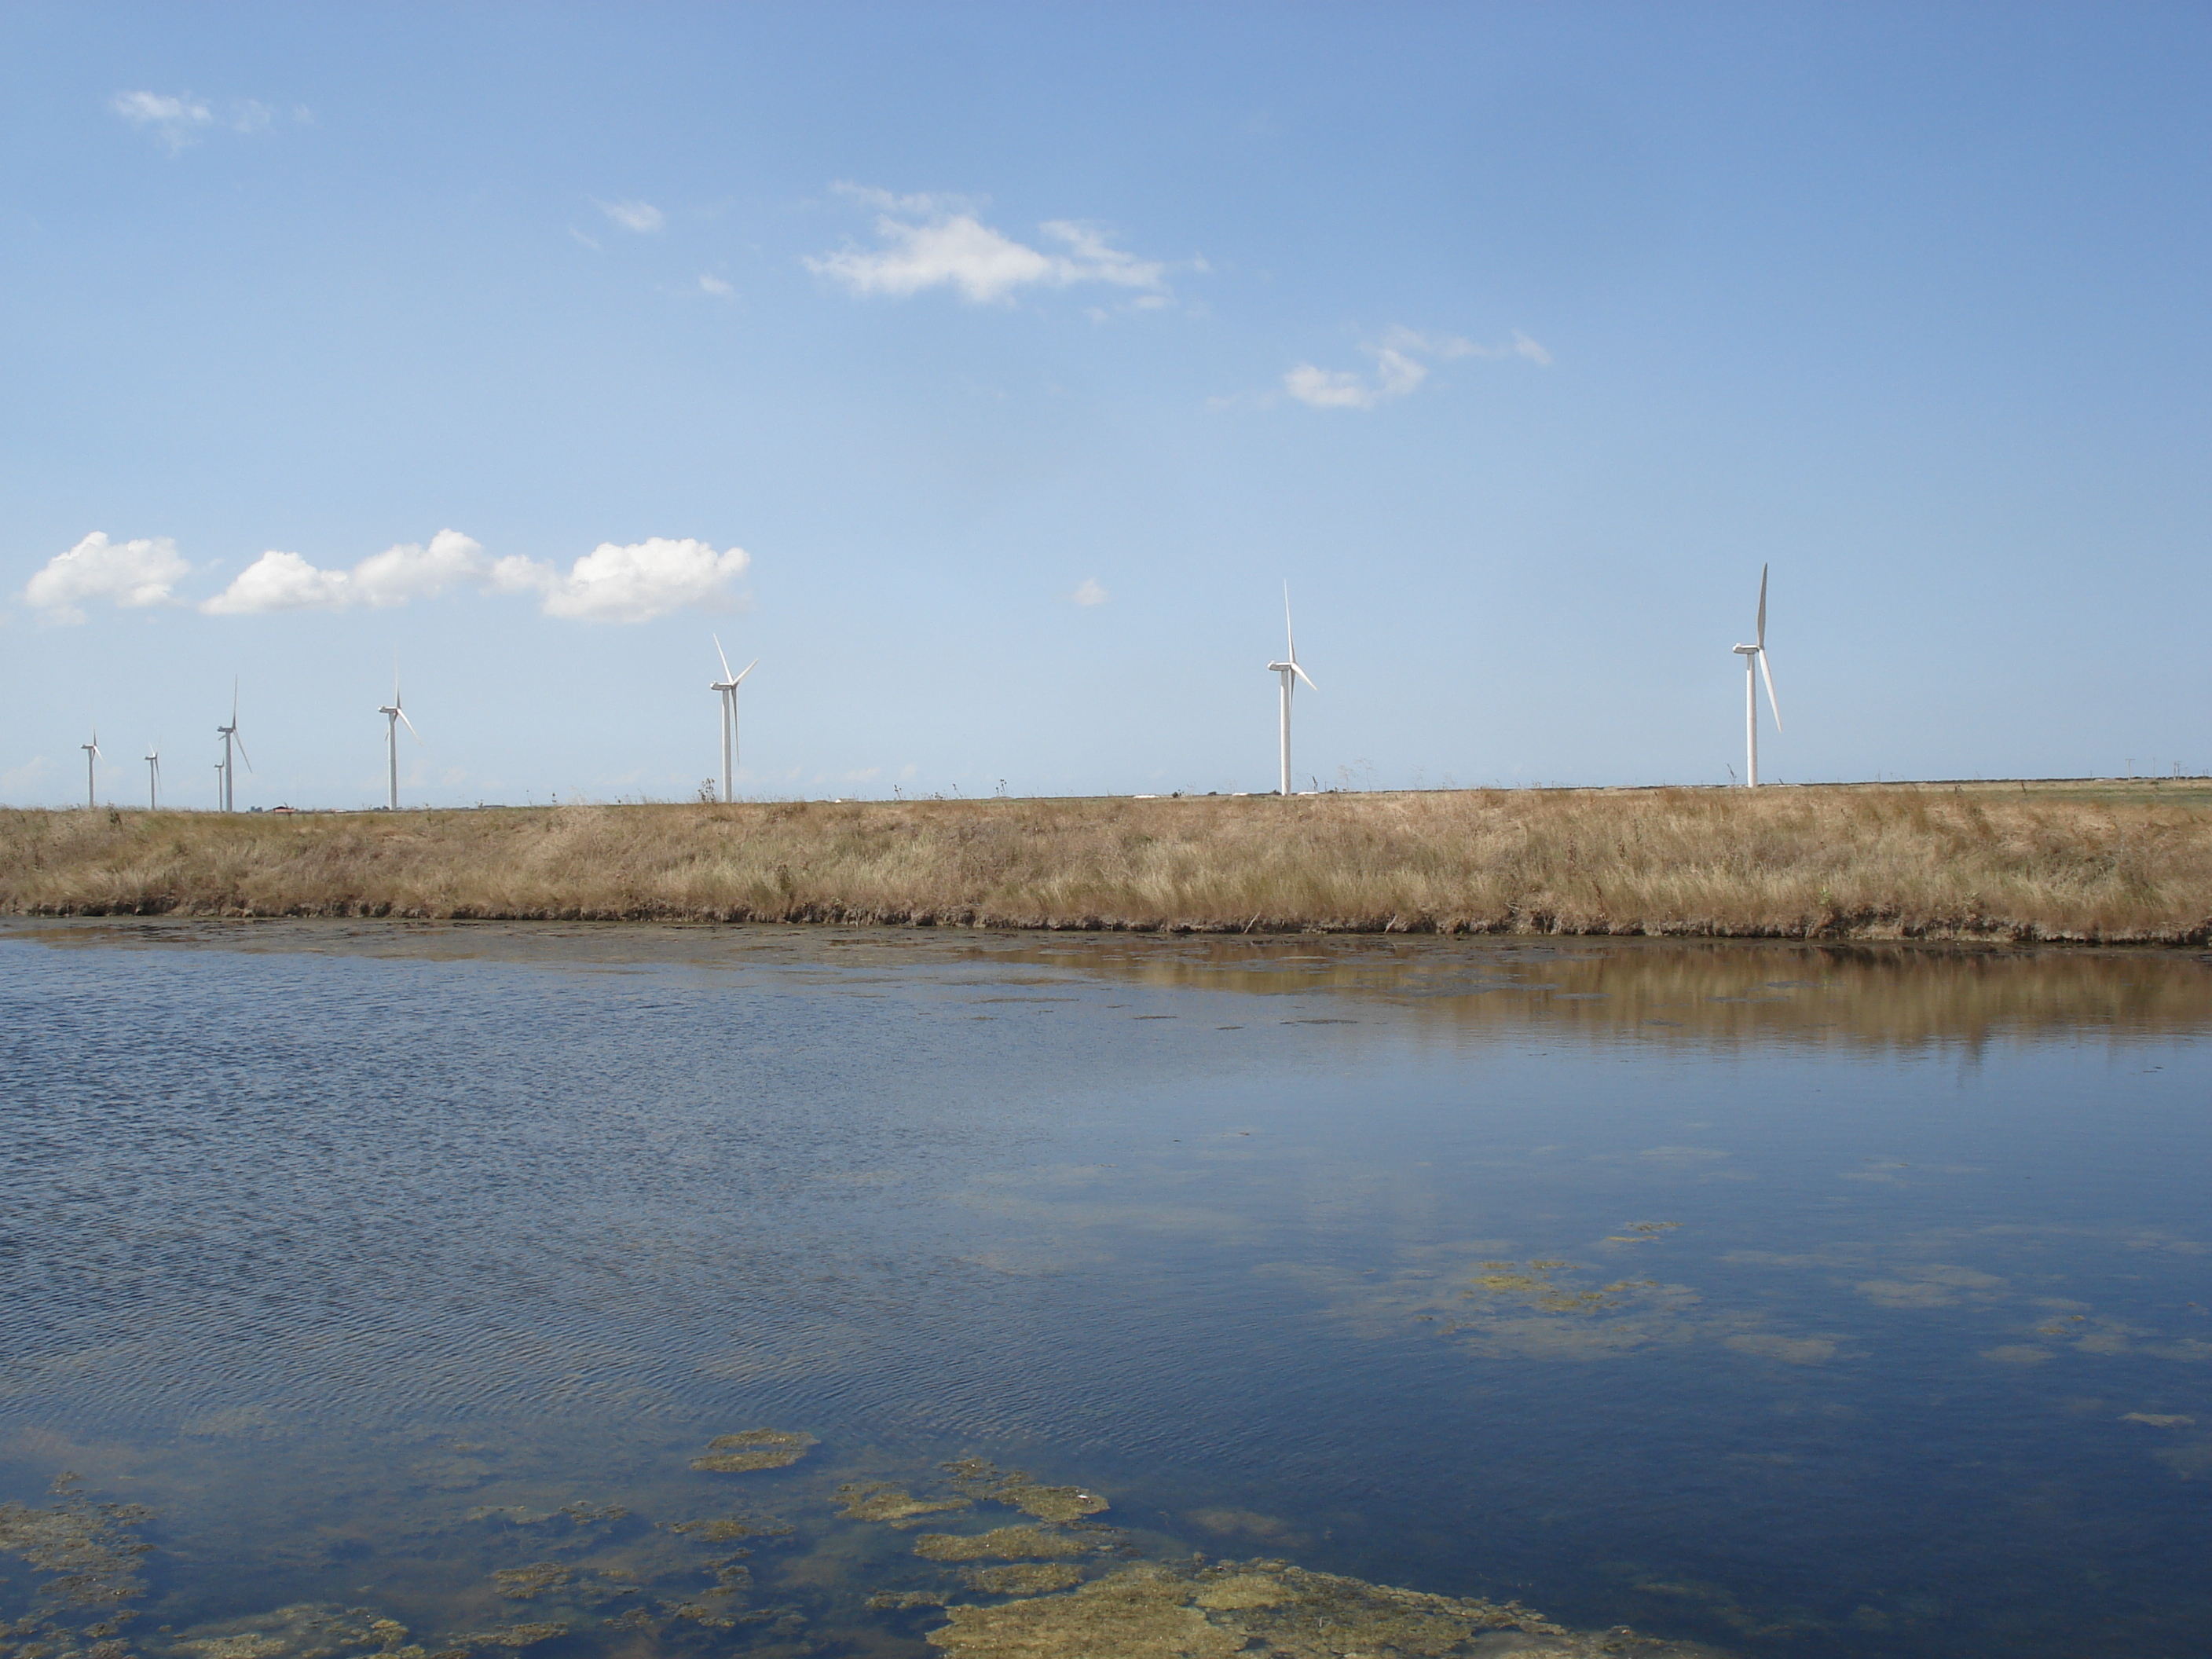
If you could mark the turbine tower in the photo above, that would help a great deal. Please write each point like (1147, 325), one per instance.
(229, 735)
(727, 686)
(394, 717)
(91, 754)
(1289, 669)
(1754, 658)
(153, 779)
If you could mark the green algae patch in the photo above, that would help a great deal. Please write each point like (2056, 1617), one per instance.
(521, 1584)
(1000, 1544)
(881, 1500)
(1140, 1613)
(981, 1479)
(91, 1555)
(723, 1529)
(1022, 1578)
(1535, 1285)
(1149, 1611)
(306, 1629)
(512, 1637)
(754, 1448)
(1240, 1590)
(891, 1600)
(1056, 1504)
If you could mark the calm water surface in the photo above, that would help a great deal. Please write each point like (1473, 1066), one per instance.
(1792, 1301)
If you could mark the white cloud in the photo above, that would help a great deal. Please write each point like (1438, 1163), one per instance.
(176, 121)
(1091, 593)
(281, 581)
(938, 241)
(925, 203)
(1451, 345)
(1398, 368)
(634, 583)
(179, 119)
(611, 583)
(132, 574)
(285, 581)
(640, 216)
(716, 286)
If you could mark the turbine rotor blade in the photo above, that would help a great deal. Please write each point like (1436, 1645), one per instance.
(1768, 674)
(1307, 677)
(242, 754)
(409, 723)
(723, 654)
(740, 679)
(1762, 607)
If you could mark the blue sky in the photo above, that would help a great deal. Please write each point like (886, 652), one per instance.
(1515, 338)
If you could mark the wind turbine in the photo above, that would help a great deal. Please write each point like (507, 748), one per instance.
(1289, 669)
(1755, 657)
(727, 686)
(153, 779)
(229, 736)
(394, 717)
(91, 754)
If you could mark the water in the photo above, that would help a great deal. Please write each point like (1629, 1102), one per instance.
(1782, 1299)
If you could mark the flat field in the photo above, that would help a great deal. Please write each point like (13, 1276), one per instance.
(2097, 861)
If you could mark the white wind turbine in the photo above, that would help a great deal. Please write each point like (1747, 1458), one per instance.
(1755, 657)
(394, 717)
(91, 754)
(727, 686)
(1289, 669)
(153, 779)
(229, 736)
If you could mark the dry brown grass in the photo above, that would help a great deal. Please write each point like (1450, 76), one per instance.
(1815, 862)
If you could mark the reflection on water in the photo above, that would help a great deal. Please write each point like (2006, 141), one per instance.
(446, 1291)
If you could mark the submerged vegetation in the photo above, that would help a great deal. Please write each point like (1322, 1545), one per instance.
(1059, 1586)
(754, 1448)
(2122, 863)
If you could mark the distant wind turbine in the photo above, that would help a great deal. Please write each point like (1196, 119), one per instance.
(1755, 657)
(153, 779)
(91, 754)
(394, 717)
(727, 686)
(229, 736)
(1289, 669)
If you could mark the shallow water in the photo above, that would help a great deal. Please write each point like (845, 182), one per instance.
(1790, 1300)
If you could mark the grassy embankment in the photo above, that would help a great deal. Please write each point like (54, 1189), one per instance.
(2110, 864)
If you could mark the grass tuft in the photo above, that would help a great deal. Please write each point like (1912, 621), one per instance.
(1841, 862)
